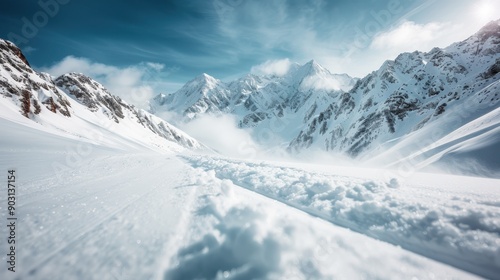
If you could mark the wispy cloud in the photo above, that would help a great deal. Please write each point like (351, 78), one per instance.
(236, 141)
(136, 84)
(410, 36)
(318, 29)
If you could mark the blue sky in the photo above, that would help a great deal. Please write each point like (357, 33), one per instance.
(145, 47)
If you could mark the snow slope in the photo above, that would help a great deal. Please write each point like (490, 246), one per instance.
(113, 214)
(79, 107)
(469, 149)
(87, 211)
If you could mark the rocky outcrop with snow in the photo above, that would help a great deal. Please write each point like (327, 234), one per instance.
(76, 98)
(34, 92)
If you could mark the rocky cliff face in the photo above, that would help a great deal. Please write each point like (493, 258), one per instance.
(39, 97)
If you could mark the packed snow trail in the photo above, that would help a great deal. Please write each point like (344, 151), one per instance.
(92, 212)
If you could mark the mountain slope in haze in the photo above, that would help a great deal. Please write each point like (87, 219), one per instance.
(255, 100)
(77, 106)
(389, 116)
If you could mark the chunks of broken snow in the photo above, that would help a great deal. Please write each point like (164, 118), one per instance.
(461, 229)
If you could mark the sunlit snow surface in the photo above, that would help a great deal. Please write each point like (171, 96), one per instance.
(95, 212)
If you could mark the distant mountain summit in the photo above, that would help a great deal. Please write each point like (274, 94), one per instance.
(203, 94)
(258, 100)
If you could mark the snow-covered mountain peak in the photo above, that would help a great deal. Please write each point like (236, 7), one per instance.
(313, 76)
(202, 94)
(206, 79)
(410, 93)
(492, 29)
(485, 42)
(7, 46)
(310, 68)
(34, 92)
(84, 80)
(92, 94)
(314, 67)
(336, 112)
(253, 99)
(201, 84)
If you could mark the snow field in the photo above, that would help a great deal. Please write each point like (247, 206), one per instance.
(111, 217)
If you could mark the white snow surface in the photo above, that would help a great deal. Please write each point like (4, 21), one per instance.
(92, 211)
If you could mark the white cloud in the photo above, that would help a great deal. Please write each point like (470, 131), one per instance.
(410, 36)
(135, 84)
(223, 135)
(406, 37)
(272, 67)
(271, 28)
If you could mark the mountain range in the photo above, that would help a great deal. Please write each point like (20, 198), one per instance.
(438, 107)
(259, 102)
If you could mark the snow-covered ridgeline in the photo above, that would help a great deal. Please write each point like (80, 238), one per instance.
(74, 105)
(436, 92)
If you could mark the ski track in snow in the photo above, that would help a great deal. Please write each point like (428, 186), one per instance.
(109, 214)
(109, 217)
